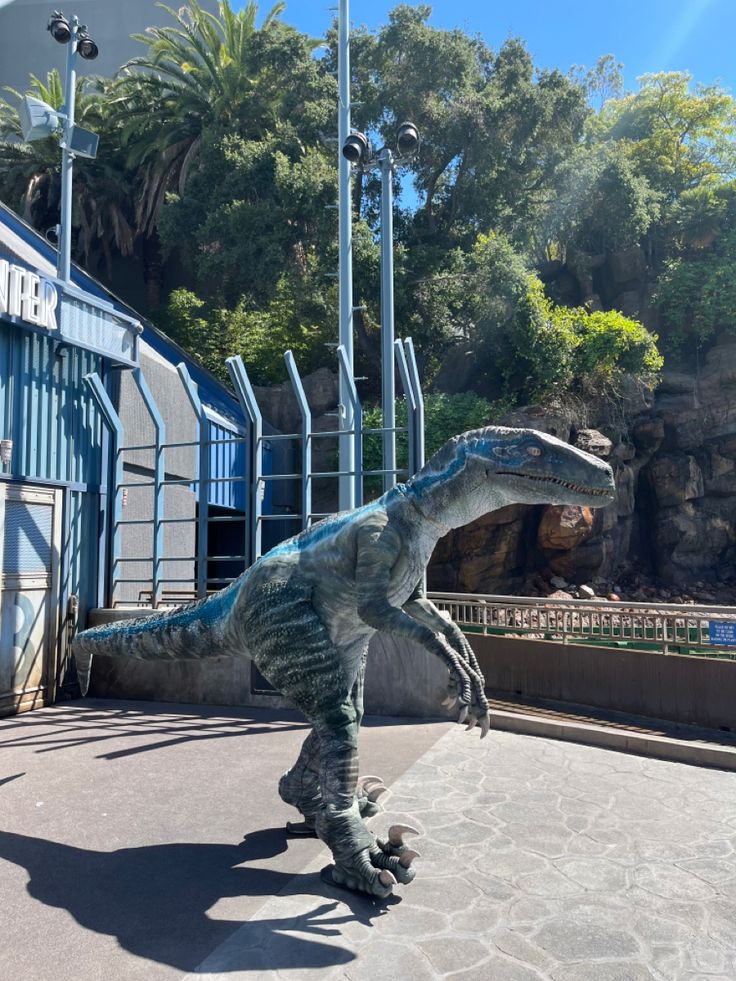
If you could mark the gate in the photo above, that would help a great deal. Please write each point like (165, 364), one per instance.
(30, 534)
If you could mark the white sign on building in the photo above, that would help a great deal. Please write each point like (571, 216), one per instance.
(25, 294)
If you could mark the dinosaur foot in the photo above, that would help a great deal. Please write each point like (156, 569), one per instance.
(367, 792)
(376, 870)
(304, 829)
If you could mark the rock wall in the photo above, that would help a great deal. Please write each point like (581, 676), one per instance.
(674, 517)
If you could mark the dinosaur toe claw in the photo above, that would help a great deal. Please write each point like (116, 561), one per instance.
(397, 831)
(366, 781)
(386, 878)
(375, 792)
(472, 723)
(407, 857)
(463, 714)
(485, 725)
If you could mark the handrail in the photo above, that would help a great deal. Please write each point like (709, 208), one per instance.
(663, 625)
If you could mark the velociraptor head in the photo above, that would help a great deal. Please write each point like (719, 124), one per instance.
(485, 469)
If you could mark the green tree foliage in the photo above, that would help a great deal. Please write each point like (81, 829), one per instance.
(676, 135)
(532, 348)
(697, 289)
(444, 417)
(494, 129)
(260, 334)
(602, 203)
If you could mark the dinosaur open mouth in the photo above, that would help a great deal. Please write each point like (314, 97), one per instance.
(578, 488)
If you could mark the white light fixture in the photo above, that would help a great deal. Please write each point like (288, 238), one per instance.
(37, 119)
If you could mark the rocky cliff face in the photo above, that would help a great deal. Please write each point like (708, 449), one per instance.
(674, 518)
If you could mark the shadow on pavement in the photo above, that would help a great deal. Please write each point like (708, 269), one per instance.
(155, 899)
(64, 730)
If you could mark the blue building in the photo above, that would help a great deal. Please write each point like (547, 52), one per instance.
(92, 515)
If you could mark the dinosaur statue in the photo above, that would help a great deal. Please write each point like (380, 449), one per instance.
(305, 613)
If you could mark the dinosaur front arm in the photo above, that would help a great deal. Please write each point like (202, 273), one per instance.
(424, 611)
(379, 548)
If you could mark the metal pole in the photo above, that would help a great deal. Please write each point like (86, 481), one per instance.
(345, 274)
(63, 264)
(306, 438)
(388, 383)
(254, 455)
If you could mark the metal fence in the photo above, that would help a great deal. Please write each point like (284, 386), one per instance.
(165, 577)
(703, 630)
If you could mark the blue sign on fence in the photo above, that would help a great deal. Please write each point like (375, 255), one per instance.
(722, 632)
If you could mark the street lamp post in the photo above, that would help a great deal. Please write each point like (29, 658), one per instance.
(74, 139)
(388, 379)
(357, 150)
(63, 262)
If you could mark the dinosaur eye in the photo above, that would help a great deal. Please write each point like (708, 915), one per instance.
(534, 451)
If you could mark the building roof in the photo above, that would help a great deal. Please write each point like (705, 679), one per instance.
(23, 242)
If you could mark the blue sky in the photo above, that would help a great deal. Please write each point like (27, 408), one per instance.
(646, 35)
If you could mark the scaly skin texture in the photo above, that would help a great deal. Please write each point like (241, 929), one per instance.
(306, 611)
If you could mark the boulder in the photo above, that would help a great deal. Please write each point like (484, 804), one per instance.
(629, 303)
(555, 418)
(564, 526)
(593, 442)
(586, 592)
(675, 479)
(457, 371)
(579, 564)
(648, 433)
(675, 383)
(627, 266)
(625, 487)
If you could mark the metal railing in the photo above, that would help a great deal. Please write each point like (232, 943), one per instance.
(158, 583)
(703, 630)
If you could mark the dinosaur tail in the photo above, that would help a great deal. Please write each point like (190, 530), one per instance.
(187, 633)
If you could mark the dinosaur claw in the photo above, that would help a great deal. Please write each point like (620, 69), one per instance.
(366, 781)
(375, 792)
(463, 714)
(396, 834)
(407, 857)
(450, 701)
(472, 722)
(485, 725)
(386, 878)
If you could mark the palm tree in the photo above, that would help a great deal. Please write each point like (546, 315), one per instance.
(199, 72)
(30, 172)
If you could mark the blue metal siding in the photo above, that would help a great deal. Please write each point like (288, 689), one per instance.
(226, 460)
(81, 550)
(45, 408)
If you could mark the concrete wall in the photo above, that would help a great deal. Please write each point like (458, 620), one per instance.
(696, 690)
(180, 500)
(403, 680)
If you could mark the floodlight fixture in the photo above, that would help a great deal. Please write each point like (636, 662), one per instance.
(58, 25)
(37, 119)
(357, 148)
(86, 46)
(407, 139)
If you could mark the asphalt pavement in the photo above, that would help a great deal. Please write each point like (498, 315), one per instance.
(146, 841)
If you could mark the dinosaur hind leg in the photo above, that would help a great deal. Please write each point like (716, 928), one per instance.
(299, 786)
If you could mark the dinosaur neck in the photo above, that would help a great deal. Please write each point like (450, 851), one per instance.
(447, 504)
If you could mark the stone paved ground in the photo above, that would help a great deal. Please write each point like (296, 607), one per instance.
(540, 860)
(145, 843)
